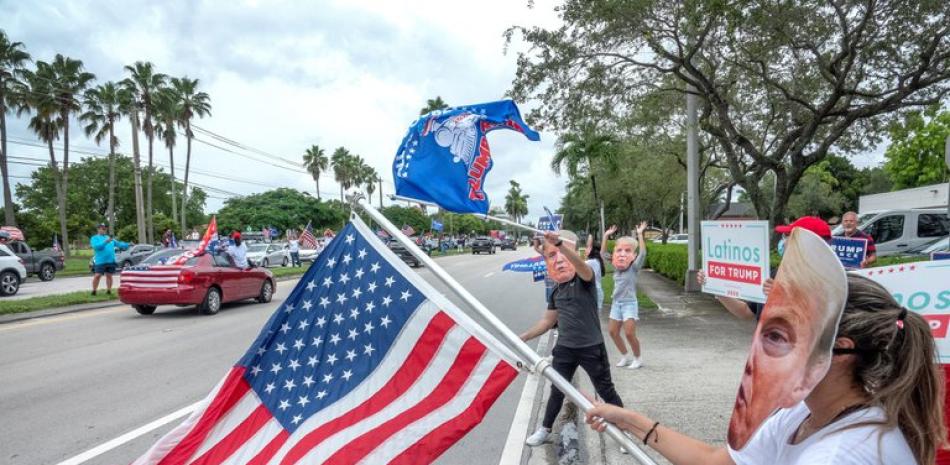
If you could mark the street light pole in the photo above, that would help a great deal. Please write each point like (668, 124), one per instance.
(692, 190)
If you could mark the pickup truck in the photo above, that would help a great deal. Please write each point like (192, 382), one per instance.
(42, 263)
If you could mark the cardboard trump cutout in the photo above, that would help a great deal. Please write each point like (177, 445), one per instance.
(791, 349)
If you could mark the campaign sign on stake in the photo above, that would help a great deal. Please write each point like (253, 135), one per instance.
(736, 258)
(940, 256)
(850, 250)
(922, 287)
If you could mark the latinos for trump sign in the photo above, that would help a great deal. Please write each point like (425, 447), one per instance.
(736, 258)
(922, 287)
(850, 250)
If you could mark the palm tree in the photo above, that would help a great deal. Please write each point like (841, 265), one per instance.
(147, 83)
(578, 152)
(12, 61)
(193, 103)
(103, 108)
(516, 203)
(433, 104)
(36, 96)
(342, 171)
(316, 163)
(167, 115)
(370, 178)
(131, 107)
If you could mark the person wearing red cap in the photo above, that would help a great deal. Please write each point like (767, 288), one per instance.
(238, 251)
(750, 310)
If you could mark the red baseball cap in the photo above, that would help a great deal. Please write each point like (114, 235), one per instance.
(811, 223)
(236, 235)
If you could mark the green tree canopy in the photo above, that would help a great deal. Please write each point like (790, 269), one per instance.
(283, 208)
(916, 154)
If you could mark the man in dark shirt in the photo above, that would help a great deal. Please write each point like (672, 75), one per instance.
(849, 224)
(573, 307)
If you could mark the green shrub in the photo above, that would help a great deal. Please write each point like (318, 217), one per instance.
(669, 260)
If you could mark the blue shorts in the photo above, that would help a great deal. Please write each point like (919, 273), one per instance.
(621, 311)
(105, 268)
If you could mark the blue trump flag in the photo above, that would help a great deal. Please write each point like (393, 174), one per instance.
(436, 226)
(534, 265)
(445, 157)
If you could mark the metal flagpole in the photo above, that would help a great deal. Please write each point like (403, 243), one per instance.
(537, 364)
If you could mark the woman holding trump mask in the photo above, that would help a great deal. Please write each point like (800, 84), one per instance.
(821, 387)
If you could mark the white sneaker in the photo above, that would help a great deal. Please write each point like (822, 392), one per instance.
(541, 436)
(624, 361)
(636, 363)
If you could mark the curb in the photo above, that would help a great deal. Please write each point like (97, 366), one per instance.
(15, 317)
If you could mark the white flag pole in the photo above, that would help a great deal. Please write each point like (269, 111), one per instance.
(535, 362)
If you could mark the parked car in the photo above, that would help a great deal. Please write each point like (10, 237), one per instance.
(509, 244)
(268, 255)
(897, 231)
(12, 271)
(404, 254)
(483, 244)
(206, 281)
(131, 256)
(42, 263)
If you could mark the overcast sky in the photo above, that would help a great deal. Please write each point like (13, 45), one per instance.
(285, 75)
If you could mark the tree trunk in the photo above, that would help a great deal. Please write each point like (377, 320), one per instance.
(110, 210)
(62, 207)
(341, 193)
(8, 212)
(380, 194)
(60, 197)
(171, 160)
(149, 212)
(184, 191)
(316, 179)
(137, 170)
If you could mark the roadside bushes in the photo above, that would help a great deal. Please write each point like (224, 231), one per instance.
(669, 260)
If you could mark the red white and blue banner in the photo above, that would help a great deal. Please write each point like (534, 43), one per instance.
(363, 363)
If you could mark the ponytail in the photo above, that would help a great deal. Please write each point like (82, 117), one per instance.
(897, 366)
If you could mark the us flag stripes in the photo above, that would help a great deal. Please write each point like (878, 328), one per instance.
(307, 240)
(363, 363)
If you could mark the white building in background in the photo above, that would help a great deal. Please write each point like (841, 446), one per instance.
(933, 196)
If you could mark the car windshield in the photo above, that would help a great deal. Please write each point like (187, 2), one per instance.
(161, 257)
(257, 248)
(940, 246)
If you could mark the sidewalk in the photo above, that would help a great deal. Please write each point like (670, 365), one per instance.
(693, 354)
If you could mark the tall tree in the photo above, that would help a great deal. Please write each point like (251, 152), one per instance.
(12, 61)
(316, 162)
(516, 203)
(578, 151)
(193, 103)
(776, 93)
(433, 104)
(146, 84)
(103, 108)
(342, 162)
(167, 116)
(916, 154)
(131, 106)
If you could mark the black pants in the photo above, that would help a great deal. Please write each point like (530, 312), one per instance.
(594, 361)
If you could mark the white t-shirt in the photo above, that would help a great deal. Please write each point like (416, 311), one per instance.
(863, 445)
(239, 254)
(294, 245)
(595, 265)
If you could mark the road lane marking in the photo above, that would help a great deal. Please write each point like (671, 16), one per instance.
(107, 446)
(42, 320)
(520, 424)
(488, 275)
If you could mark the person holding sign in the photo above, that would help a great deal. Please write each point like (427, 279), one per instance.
(625, 310)
(881, 401)
(849, 225)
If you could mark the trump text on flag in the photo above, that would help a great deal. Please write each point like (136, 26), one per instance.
(735, 258)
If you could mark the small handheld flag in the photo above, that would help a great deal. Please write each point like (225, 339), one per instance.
(445, 157)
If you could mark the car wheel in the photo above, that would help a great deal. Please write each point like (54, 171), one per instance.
(9, 283)
(267, 292)
(212, 302)
(145, 309)
(265, 263)
(285, 262)
(47, 272)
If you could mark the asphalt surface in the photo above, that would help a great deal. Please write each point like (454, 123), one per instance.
(33, 287)
(75, 381)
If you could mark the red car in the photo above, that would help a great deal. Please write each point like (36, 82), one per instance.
(206, 281)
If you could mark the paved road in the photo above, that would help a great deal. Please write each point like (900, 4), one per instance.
(74, 381)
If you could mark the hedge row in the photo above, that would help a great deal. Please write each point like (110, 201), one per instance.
(670, 260)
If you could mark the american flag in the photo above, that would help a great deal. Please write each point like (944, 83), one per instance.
(407, 230)
(363, 363)
(209, 240)
(307, 241)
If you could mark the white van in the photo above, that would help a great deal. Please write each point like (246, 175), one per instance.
(895, 231)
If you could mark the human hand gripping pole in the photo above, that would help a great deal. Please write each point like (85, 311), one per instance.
(529, 357)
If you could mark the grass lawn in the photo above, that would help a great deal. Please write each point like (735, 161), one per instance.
(75, 266)
(51, 301)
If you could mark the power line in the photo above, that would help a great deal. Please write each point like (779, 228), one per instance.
(246, 147)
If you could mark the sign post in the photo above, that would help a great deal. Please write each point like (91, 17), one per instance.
(736, 258)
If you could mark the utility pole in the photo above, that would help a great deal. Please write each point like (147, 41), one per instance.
(946, 158)
(692, 190)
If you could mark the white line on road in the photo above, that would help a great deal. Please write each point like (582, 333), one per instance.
(107, 446)
(488, 275)
(514, 445)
